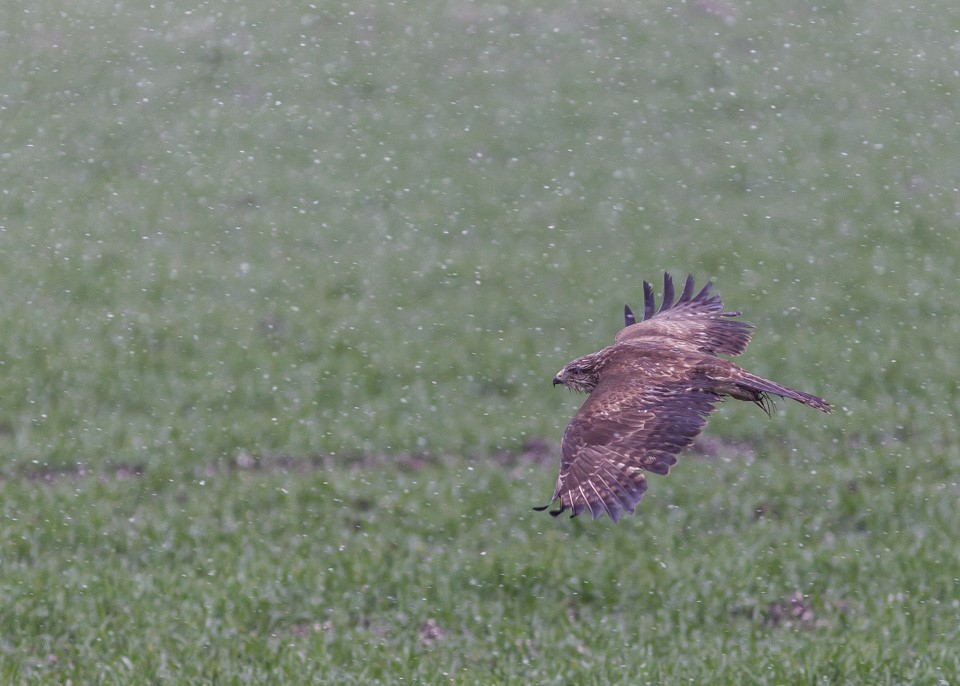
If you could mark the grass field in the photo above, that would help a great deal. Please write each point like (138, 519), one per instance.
(284, 290)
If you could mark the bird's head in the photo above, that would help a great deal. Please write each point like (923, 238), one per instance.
(583, 374)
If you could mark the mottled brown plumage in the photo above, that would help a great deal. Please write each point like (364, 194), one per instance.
(650, 395)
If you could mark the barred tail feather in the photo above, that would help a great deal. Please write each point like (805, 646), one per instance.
(762, 385)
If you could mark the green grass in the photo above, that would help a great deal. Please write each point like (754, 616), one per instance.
(285, 289)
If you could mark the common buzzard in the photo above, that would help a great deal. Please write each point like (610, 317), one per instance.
(650, 395)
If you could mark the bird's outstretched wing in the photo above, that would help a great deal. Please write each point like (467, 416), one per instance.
(694, 320)
(624, 429)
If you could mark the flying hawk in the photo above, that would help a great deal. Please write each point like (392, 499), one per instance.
(650, 395)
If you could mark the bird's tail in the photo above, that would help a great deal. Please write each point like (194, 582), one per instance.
(760, 386)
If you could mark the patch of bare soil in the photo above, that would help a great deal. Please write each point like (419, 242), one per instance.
(717, 447)
(795, 611)
(118, 471)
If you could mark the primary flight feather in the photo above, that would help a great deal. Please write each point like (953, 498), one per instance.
(650, 395)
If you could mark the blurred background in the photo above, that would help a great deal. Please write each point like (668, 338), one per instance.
(334, 242)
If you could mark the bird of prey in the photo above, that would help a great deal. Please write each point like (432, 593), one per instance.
(650, 394)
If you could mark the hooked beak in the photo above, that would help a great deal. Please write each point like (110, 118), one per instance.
(556, 380)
